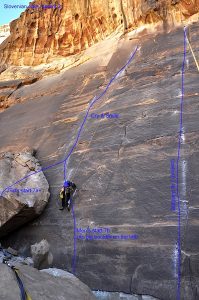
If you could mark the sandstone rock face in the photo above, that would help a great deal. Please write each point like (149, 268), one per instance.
(41, 34)
(99, 294)
(41, 286)
(120, 166)
(25, 200)
(8, 87)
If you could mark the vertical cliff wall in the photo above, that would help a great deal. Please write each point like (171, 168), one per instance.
(70, 26)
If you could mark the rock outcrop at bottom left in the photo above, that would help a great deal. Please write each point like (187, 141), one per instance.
(41, 286)
(24, 201)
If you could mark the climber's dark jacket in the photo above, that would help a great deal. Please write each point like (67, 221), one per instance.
(66, 194)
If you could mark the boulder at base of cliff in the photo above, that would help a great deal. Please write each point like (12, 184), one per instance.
(41, 255)
(41, 286)
(22, 202)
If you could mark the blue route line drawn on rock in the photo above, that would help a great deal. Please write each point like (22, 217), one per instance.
(95, 99)
(78, 135)
(177, 167)
(31, 174)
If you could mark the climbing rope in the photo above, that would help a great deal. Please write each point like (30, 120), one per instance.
(23, 292)
(90, 105)
(194, 57)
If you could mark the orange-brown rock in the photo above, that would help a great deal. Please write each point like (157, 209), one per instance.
(70, 26)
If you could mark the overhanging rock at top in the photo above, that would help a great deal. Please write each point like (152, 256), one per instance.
(40, 35)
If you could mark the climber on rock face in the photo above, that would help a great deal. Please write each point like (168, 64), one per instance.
(66, 193)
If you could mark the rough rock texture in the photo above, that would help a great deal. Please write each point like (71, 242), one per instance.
(41, 255)
(7, 88)
(121, 166)
(99, 294)
(57, 272)
(41, 286)
(40, 34)
(120, 296)
(25, 200)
